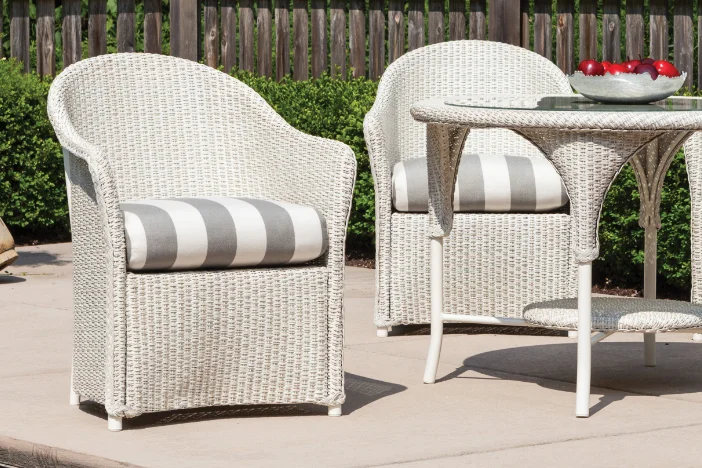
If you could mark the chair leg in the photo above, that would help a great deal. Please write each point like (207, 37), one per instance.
(114, 423)
(382, 332)
(573, 334)
(697, 337)
(437, 308)
(650, 349)
(334, 410)
(582, 392)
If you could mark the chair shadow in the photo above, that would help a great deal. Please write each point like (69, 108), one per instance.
(474, 329)
(39, 257)
(10, 279)
(617, 368)
(360, 391)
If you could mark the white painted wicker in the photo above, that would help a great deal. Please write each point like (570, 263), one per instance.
(514, 250)
(136, 126)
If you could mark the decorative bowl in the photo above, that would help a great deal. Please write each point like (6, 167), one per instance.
(627, 88)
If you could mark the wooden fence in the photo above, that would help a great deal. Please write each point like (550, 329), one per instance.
(365, 35)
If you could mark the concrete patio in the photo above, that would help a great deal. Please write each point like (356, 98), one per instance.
(502, 399)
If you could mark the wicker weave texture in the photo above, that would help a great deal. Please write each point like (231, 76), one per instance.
(139, 126)
(448, 69)
(493, 265)
(693, 161)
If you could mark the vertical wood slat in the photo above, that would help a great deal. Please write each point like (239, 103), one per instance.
(282, 38)
(301, 40)
(415, 24)
(457, 20)
(1, 29)
(699, 43)
(524, 26)
(504, 22)
(338, 38)
(228, 40)
(19, 32)
(71, 34)
(126, 26)
(246, 35)
(376, 42)
(542, 28)
(265, 37)
(477, 20)
(658, 10)
(211, 33)
(152, 26)
(357, 37)
(610, 31)
(564, 36)
(588, 30)
(436, 21)
(97, 27)
(184, 19)
(682, 38)
(319, 38)
(396, 30)
(46, 51)
(634, 28)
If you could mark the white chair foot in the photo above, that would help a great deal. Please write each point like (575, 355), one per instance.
(74, 398)
(650, 349)
(334, 410)
(697, 337)
(573, 334)
(114, 423)
(582, 386)
(382, 332)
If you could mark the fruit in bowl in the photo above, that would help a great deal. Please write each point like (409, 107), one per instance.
(632, 82)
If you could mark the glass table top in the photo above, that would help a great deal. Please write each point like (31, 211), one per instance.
(571, 103)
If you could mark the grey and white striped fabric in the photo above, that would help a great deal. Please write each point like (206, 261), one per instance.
(220, 232)
(484, 184)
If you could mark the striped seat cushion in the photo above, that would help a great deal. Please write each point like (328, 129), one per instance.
(484, 184)
(220, 232)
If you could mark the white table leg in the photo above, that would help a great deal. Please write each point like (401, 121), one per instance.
(650, 269)
(582, 392)
(437, 308)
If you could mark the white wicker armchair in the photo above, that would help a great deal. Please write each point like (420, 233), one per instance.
(141, 126)
(495, 263)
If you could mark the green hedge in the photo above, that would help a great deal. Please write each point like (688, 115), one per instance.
(33, 200)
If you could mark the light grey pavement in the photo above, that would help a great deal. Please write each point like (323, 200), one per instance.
(502, 400)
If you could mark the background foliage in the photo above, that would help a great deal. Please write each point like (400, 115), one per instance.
(33, 198)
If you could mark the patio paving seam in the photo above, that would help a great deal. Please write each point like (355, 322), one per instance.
(537, 444)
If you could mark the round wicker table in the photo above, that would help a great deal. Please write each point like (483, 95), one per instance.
(588, 143)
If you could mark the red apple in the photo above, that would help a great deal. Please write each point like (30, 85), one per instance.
(606, 64)
(616, 69)
(665, 68)
(591, 68)
(646, 68)
(631, 65)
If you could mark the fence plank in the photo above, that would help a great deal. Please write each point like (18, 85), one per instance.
(524, 26)
(564, 35)
(396, 30)
(152, 26)
(46, 51)
(97, 27)
(19, 32)
(588, 30)
(301, 32)
(376, 40)
(265, 37)
(319, 38)
(357, 37)
(542, 28)
(504, 22)
(699, 45)
(415, 24)
(184, 19)
(338, 38)
(477, 19)
(1, 28)
(246, 35)
(682, 38)
(125, 26)
(71, 34)
(211, 33)
(228, 40)
(282, 38)
(634, 28)
(659, 29)
(436, 21)
(610, 31)
(457, 20)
